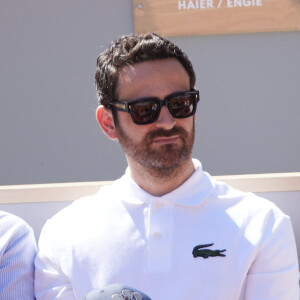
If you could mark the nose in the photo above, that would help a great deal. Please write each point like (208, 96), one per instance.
(165, 119)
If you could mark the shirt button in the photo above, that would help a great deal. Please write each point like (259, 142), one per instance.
(157, 235)
(157, 205)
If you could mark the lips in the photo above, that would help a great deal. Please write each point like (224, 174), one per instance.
(166, 140)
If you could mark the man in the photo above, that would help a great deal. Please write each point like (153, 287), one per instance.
(17, 253)
(166, 227)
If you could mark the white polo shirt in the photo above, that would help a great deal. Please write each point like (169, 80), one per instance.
(125, 235)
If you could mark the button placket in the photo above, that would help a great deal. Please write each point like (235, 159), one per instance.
(159, 237)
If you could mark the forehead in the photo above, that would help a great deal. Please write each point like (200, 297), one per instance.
(156, 78)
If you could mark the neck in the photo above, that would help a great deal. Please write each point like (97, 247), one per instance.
(158, 183)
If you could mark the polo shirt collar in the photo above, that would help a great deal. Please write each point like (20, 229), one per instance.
(191, 193)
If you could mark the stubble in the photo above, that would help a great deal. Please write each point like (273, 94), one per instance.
(163, 161)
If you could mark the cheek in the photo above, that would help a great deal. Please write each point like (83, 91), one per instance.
(139, 132)
(132, 130)
(187, 124)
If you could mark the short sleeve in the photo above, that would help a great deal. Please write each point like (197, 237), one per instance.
(275, 272)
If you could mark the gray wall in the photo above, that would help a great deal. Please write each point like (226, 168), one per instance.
(247, 122)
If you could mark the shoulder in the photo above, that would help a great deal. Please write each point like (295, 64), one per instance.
(12, 226)
(16, 239)
(9, 220)
(88, 204)
(246, 206)
(82, 211)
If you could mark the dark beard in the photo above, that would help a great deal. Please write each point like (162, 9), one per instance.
(166, 160)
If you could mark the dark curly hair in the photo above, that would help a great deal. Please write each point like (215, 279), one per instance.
(129, 50)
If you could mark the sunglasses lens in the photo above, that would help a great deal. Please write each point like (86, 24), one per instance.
(182, 106)
(144, 112)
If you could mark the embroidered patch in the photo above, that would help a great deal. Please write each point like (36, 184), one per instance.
(127, 295)
(198, 251)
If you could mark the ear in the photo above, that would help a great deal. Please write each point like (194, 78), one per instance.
(106, 121)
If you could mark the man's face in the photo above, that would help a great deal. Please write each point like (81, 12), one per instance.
(164, 145)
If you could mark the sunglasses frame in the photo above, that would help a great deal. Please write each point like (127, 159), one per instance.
(125, 106)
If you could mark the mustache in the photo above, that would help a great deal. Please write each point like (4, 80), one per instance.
(166, 133)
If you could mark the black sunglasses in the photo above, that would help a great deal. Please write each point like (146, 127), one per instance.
(146, 110)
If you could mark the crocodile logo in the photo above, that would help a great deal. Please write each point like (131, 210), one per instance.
(198, 251)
